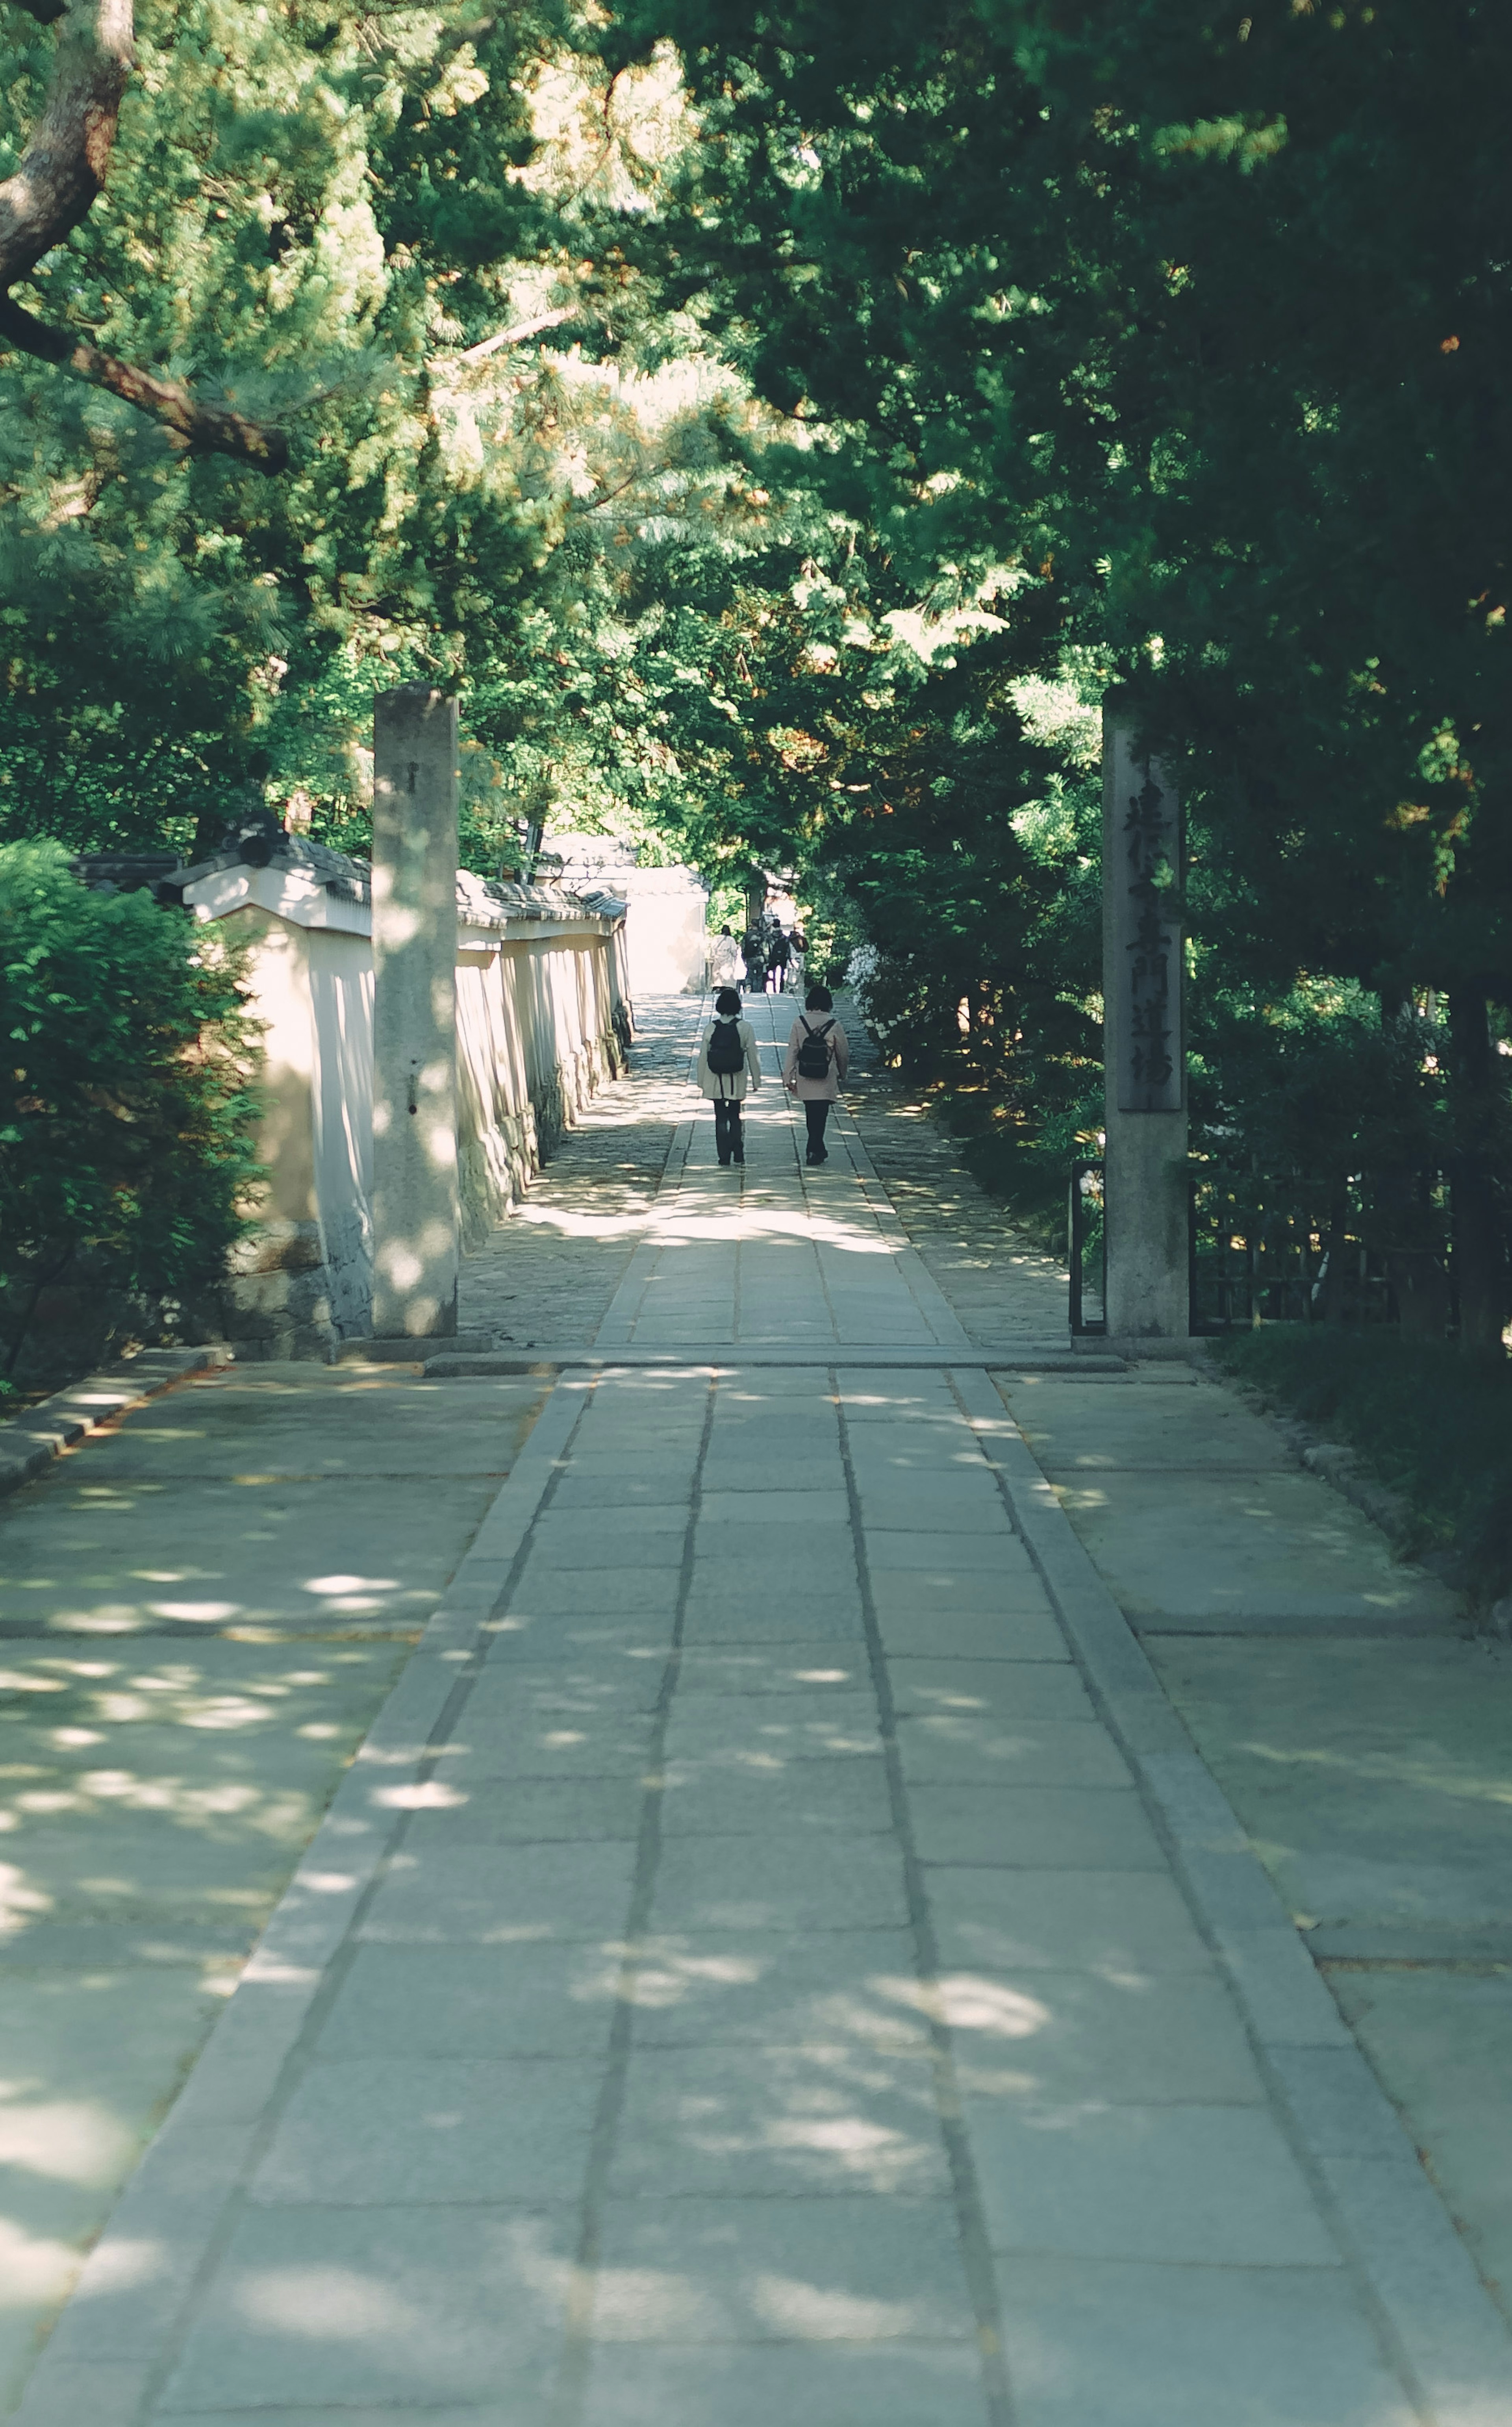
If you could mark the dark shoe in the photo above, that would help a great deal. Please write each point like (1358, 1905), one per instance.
(740, 1154)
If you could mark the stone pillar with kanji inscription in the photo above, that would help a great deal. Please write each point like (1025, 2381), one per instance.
(1143, 1057)
(416, 1242)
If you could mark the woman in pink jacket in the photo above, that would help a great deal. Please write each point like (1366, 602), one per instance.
(815, 1068)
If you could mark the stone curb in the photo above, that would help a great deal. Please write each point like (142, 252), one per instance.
(412, 1349)
(730, 1354)
(114, 2335)
(1390, 2218)
(30, 1442)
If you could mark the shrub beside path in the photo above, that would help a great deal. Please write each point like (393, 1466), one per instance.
(778, 1951)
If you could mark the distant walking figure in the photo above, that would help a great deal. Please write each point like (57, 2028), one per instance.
(778, 956)
(724, 960)
(727, 1065)
(754, 954)
(815, 1068)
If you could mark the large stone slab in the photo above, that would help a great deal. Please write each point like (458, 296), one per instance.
(907, 2385)
(1154, 2345)
(342, 2307)
(894, 1545)
(642, 1589)
(496, 1742)
(1000, 1689)
(502, 1895)
(1223, 1554)
(720, 1733)
(1044, 2039)
(812, 1484)
(1040, 1828)
(757, 2123)
(713, 1988)
(1440, 2040)
(524, 1811)
(953, 1750)
(1375, 1778)
(969, 1510)
(1081, 1427)
(814, 1671)
(943, 1585)
(83, 1557)
(924, 1627)
(1187, 2186)
(415, 2002)
(1115, 1923)
(309, 1422)
(728, 1604)
(843, 1881)
(760, 2271)
(394, 2131)
(710, 1799)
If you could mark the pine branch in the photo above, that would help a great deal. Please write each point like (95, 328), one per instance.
(53, 190)
(199, 427)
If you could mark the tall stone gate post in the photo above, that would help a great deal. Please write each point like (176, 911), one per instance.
(415, 1236)
(1143, 1052)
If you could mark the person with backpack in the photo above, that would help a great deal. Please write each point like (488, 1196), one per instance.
(754, 954)
(728, 1064)
(777, 956)
(815, 1068)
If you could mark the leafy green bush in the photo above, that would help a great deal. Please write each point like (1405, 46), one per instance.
(127, 1055)
(1434, 1423)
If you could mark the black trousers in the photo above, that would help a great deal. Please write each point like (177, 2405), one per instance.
(729, 1136)
(815, 1115)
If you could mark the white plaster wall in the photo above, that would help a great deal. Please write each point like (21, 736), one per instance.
(540, 1008)
(280, 971)
(341, 1009)
(666, 931)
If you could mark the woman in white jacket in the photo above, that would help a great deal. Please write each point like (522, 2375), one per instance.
(728, 1064)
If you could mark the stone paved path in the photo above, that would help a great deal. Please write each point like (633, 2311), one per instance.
(636, 1206)
(778, 1956)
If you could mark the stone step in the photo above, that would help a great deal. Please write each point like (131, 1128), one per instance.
(543, 1357)
(404, 1350)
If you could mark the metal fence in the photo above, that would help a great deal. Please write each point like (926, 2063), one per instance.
(1242, 1267)
(1247, 1267)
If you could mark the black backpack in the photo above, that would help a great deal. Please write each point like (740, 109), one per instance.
(814, 1052)
(726, 1055)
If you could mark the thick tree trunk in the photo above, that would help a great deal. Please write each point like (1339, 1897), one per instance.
(64, 164)
(60, 172)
